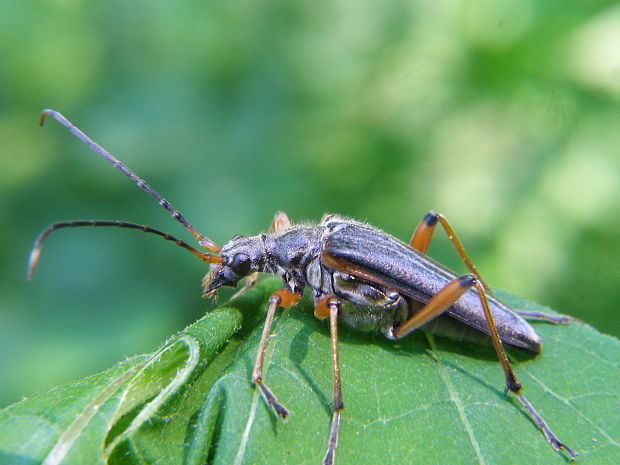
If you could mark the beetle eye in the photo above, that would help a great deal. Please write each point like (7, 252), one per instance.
(240, 264)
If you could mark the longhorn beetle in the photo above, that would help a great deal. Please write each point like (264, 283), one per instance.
(357, 274)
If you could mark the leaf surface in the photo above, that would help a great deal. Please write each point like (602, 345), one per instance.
(423, 399)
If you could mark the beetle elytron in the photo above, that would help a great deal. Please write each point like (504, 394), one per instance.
(358, 274)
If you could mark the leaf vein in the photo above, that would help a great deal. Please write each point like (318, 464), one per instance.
(455, 399)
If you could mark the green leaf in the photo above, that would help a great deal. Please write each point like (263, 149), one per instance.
(419, 400)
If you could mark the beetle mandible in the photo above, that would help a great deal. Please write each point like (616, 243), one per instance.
(359, 275)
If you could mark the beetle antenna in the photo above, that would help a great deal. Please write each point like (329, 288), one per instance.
(35, 253)
(204, 241)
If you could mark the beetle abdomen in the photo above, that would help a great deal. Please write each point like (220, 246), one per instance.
(394, 265)
(372, 318)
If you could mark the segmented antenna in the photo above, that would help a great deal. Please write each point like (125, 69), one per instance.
(204, 242)
(35, 253)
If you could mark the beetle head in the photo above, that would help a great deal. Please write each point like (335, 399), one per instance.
(241, 256)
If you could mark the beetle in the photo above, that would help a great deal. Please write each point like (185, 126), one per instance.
(358, 275)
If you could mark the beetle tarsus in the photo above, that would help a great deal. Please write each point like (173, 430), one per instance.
(542, 426)
(330, 453)
(546, 317)
(557, 445)
(284, 298)
(333, 304)
(272, 401)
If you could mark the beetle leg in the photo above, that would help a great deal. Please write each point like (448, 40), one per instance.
(280, 298)
(332, 303)
(423, 234)
(247, 285)
(512, 383)
(441, 302)
(420, 240)
(438, 304)
(280, 222)
(546, 317)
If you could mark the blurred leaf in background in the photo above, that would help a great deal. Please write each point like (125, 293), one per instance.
(503, 115)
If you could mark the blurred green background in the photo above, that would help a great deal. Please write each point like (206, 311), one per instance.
(503, 115)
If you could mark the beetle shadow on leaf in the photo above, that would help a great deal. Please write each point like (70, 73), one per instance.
(298, 351)
(204, 428)
(456, 337)
(8, 457)
(496, 389)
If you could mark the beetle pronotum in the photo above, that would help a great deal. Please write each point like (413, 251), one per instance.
(358, 274)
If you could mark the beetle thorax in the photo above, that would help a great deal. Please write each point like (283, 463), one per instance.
(290, 251)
